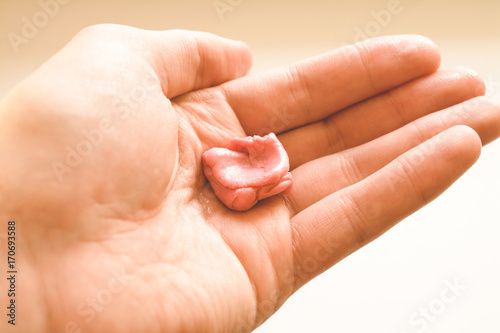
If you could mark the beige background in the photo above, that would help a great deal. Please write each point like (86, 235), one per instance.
(279, 32)
(379, 288)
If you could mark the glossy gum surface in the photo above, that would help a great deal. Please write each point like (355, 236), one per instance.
(251, 169)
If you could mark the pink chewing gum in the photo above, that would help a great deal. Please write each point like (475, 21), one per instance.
(253, 168)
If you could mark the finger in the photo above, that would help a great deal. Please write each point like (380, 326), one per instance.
(310, 90)
(382, 114)
(343, 222)
(187, 60)
(182, 60)
(334, 172)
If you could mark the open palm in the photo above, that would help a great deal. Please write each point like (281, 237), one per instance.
(120, 231)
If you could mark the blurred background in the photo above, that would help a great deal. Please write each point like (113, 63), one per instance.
(437, 271)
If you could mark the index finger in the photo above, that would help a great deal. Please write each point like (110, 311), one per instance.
(298, 94)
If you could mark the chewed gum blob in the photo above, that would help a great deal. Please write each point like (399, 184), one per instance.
(251, 169)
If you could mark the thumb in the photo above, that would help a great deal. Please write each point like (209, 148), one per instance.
(183, 60)
(187, 60)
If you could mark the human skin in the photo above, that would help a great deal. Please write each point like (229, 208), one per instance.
(129, 237)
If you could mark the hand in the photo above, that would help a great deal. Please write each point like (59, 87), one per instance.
(117, 229)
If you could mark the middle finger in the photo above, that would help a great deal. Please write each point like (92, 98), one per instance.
(382, 114)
